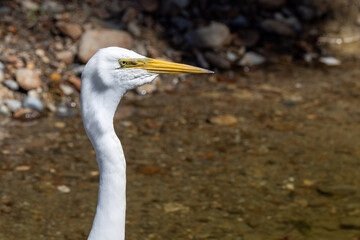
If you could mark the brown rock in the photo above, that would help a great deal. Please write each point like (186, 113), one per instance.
(72, 30)
(27, 79)
(93, 40)
(75, 81)
(224, 120)
(65, 56)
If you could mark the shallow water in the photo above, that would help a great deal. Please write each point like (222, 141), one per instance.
(288, 169)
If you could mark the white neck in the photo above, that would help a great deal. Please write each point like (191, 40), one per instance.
(109, 222)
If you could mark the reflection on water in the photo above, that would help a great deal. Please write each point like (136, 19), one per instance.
(272, 155)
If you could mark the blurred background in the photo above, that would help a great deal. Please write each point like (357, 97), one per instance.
(265, 148)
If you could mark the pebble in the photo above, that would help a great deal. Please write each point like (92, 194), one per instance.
(22, 168)
(4, 111)
(13, 104)
(65, 56)
(213, 36)
(73, 30)
(26, 114)
(33, 103)
(217, 61)
(224, 120)
(55, 77)
(75, 81)
(27, 79)
(175, 207)
(350, 223)
(277, 27)
(252, 59)
(11, 84)
(63, 111)
(66, 89)
(59, 124)
(93, 40)
(330, 61)
(63, 188)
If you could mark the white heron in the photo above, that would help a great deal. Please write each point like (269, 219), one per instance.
(106, 78)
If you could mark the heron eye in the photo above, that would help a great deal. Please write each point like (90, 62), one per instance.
(123, 62)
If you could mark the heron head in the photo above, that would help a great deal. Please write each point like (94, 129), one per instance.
(118, 67)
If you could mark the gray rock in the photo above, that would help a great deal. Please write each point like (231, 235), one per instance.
(213, 36)
(252, 59)
(13, 104)
(11, 84)
(350, 223)
(2, 66)
(217, 61)
(92, 40)
(33, 103)
(277, 27)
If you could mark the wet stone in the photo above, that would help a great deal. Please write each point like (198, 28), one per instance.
(33, 103)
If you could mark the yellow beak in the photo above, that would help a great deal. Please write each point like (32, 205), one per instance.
(160, 66)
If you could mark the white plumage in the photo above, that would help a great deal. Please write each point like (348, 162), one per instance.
(107, 76)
